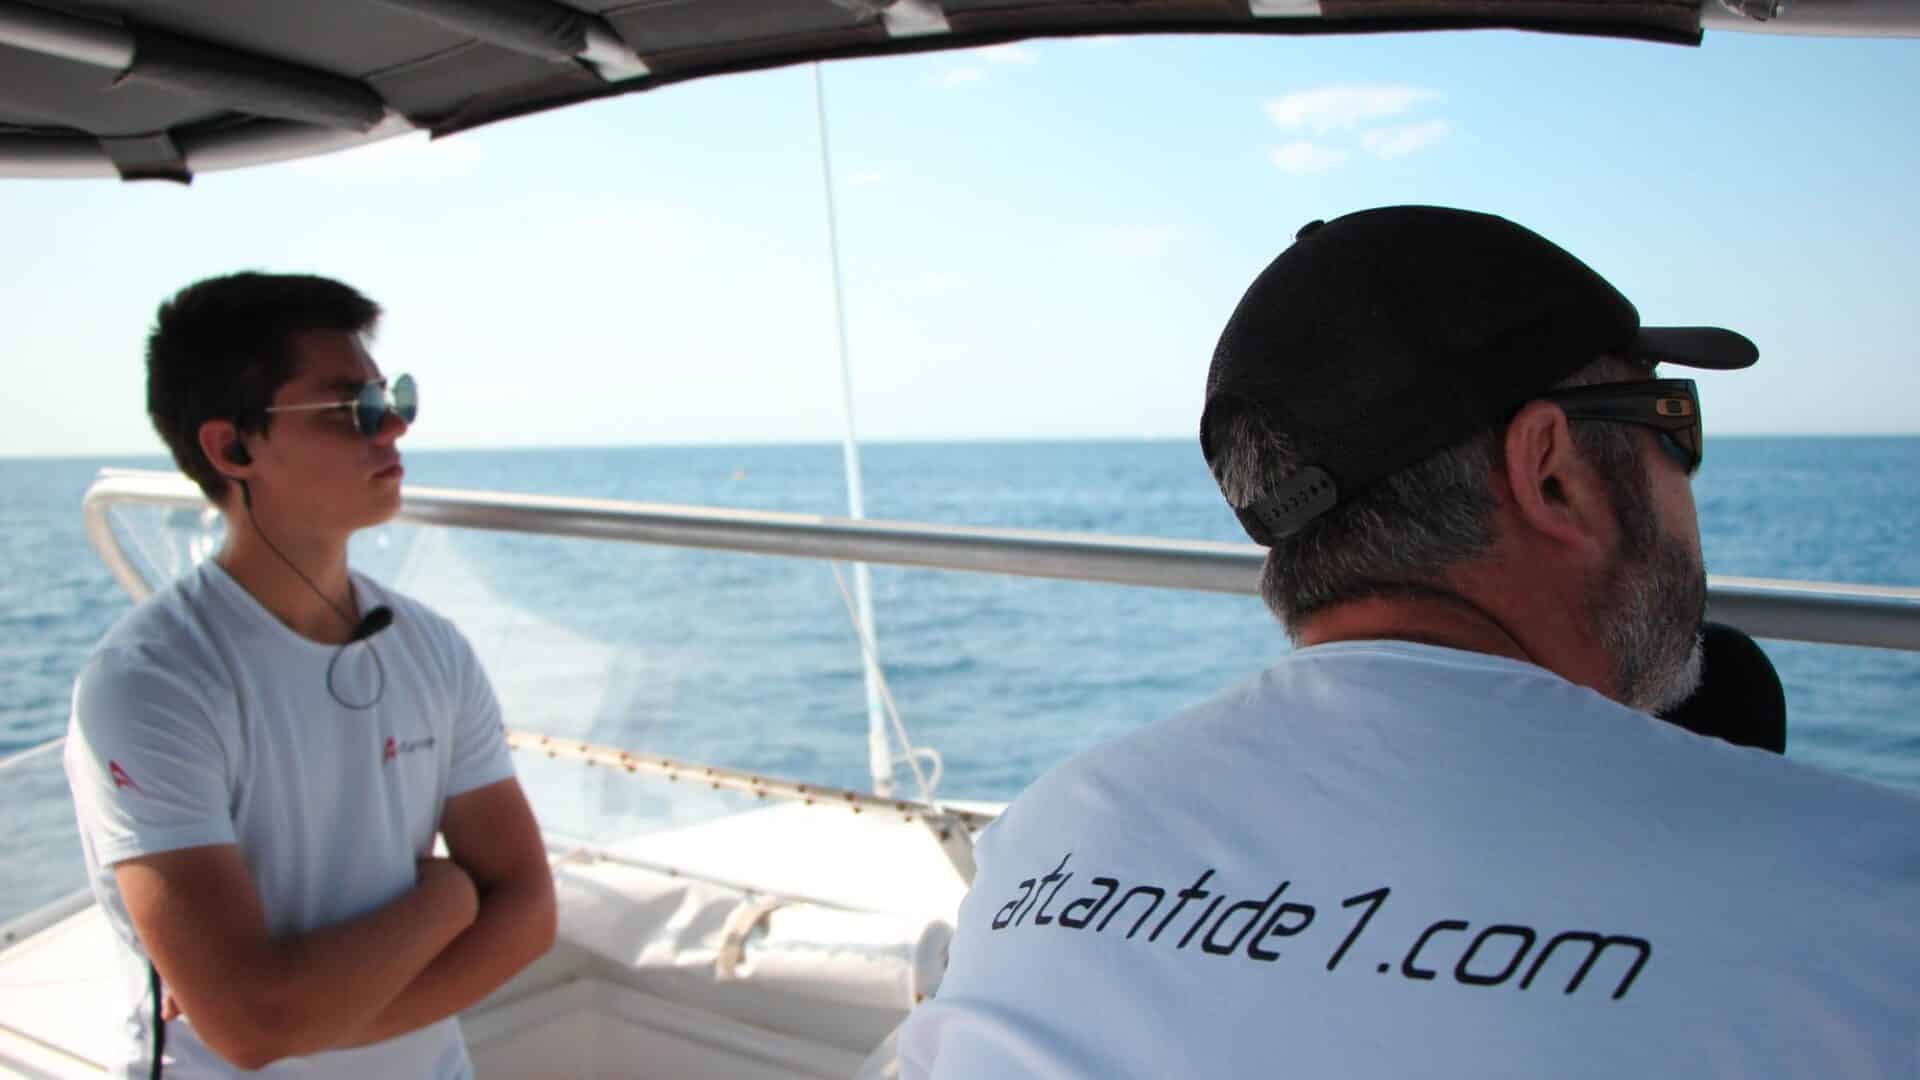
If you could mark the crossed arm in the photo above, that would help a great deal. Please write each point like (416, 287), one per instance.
(467, 926)
(490, 833)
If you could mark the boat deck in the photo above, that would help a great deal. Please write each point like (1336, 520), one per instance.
(790, 940)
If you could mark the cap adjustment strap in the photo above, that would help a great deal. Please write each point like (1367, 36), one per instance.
(1299, 499)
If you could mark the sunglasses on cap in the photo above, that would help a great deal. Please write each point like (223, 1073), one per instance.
(370, 404)
(1671, 407)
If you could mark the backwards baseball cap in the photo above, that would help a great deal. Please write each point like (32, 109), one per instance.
(1383, 337)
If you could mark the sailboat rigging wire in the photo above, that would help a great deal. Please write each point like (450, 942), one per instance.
(879, 750)
(908, 752)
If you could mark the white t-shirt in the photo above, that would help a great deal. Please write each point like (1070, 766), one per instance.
(1387, 859)
(202, 719)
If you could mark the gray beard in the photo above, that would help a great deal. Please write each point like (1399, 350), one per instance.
(1651, 603)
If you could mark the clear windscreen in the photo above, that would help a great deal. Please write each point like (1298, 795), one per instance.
(683, 658)
(43, 858)
(753, 662)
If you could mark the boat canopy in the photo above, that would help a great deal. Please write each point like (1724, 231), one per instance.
(162, 89)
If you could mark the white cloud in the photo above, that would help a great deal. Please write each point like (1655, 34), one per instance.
(411, 157)
(866, 178)
(1008, 54)
(962, 76)
(1340, 108)
(1300, 158)
(928, 284)
(1394, 142)
(629, 220)
(1134, 241)
(990, 56)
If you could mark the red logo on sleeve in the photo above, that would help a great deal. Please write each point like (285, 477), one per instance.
(120, 777)
(392, 751)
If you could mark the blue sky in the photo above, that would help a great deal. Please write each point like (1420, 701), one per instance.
(1038, 240)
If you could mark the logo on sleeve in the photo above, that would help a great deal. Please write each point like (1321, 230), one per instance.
(120, 777)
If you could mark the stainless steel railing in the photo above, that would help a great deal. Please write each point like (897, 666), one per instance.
(1880, 616)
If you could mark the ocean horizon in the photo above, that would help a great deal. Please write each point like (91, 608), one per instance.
(159, 458)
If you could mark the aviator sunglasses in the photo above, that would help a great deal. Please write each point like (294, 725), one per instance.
(370, 405)
(1671, 407)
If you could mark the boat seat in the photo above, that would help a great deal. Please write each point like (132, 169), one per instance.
(646, 920)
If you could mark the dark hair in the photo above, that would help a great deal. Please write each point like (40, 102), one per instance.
(221, 348)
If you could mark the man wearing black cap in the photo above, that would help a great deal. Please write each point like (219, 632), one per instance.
(1444, 835)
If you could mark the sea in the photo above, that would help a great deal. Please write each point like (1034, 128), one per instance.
(753, 661)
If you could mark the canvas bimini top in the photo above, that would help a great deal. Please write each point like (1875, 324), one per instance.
(162, 89)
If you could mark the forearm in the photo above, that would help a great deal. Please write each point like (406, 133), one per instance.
(335, 980)
(514, 927)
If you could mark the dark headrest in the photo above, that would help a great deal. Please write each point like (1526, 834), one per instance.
(1739, 698)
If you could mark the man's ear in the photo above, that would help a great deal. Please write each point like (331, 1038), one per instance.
(220, 441)
(1553, 490)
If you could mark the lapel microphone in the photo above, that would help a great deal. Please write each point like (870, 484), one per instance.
(372, 623)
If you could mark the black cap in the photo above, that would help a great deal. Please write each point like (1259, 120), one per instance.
(1381, 338)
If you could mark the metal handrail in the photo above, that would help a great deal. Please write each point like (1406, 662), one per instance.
(1881, 616)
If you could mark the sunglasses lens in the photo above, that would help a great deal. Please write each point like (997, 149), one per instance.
(371, 405)
(406, 398)
(369, 409)
(1692, 438)
(1683, 447)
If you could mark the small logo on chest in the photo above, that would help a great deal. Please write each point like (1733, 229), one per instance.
(396, 747)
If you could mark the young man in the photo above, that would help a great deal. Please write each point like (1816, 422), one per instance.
(262, 753)
(1444, 836)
